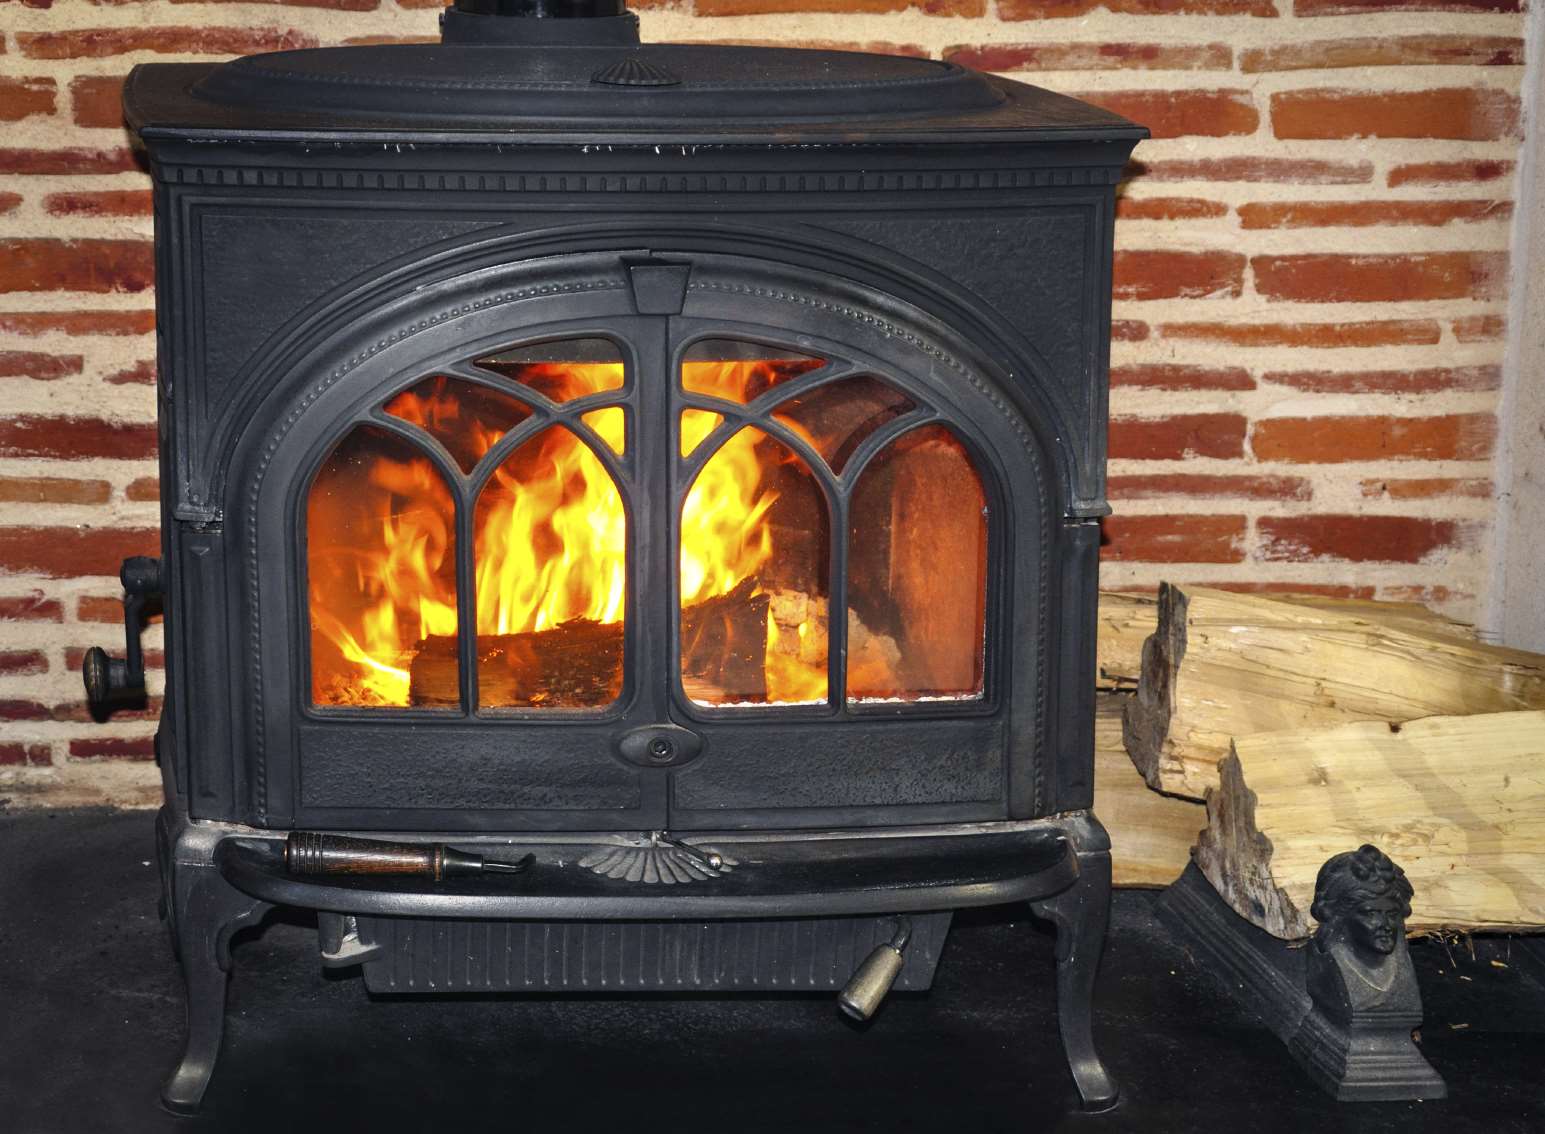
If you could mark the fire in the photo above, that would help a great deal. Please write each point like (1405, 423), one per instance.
(550, 537)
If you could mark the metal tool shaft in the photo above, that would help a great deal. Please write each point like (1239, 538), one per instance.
(312, 853)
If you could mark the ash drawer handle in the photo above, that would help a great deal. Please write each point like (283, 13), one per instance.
(312, 853)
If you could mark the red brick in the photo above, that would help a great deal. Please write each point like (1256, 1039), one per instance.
(1472, 114)
(1162, 485)
(64, 553)
(1358, 7)
(379, 40)
(1357, 539)
(1427, 488)
(1167, 208)
(98, 43)
(1335, 278)
(1449, 172)
(1176, 437)
(1387, 51)
(1169, 376)
(17, 662)
(110, 748)
(76, 265)
(97, 100)
(846, 7)
(1128, 330)
(43, 367)
(1430, 380)
(1389, 332)
(1426, 594)
(1480, 328)
(53, 490)
(144, 488)
(1332, 440)
(31, 607)
(9, 202)
(67, 161)
(77, 322)
(77, 712)
(1173, 539)
(863, 47)
(1183, 113)
(1363, 214)
(31, 755)
(1062, 9)
(142, 373)
(19, 710)
(1093, 56)
(99, 608)
(22, 98)
(1284, 171)
(75, 655)
(100, 203)
(1169, 275)
(73, 438)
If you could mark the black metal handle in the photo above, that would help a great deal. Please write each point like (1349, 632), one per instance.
(112, 681)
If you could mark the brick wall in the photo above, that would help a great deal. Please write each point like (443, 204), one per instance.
(1310, 293)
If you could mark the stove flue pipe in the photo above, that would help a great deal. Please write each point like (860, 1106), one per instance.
(539, 23)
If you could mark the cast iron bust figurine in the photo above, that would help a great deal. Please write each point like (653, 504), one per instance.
(1362, 985)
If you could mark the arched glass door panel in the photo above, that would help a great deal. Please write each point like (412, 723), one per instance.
(917, 573)
(380, 570)
(755, 565)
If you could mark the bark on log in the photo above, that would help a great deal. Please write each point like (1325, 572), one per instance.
(1151, 835)
(1457, 802)
(1223, 665)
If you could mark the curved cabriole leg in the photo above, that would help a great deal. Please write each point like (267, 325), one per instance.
(1080, 914)
(205, 911)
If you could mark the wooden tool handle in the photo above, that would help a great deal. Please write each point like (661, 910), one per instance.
(307, 852)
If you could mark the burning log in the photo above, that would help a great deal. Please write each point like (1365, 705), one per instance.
(1221, 666)
(578, 664)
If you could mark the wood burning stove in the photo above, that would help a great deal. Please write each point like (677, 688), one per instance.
(678, 464)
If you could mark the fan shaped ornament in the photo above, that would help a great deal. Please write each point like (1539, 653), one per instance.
(656, 861)
(634, 72)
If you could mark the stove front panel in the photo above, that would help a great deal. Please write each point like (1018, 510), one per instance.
(618, 543)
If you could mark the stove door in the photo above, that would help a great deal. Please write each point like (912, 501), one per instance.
(831, 589)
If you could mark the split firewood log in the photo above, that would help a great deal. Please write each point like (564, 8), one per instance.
(1222, 665)
(1457, 802)
(1151, 835)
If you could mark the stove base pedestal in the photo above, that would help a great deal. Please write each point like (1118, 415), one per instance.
(219, 878)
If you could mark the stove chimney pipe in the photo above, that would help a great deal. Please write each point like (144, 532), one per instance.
(540, 23)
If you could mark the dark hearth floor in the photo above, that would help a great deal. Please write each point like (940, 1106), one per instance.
(91, 1020)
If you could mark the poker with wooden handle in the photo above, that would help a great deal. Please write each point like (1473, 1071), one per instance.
(309, 852)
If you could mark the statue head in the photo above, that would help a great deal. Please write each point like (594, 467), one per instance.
(1361, 897)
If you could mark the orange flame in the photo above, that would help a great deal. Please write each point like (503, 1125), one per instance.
(550, 540)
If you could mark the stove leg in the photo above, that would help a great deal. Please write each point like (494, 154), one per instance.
(205, 911)
(1080, 914)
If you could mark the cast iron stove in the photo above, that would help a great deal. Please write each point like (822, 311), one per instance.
(670, 472)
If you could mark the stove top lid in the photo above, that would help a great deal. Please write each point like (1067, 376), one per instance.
(561, 70)
(493, 84)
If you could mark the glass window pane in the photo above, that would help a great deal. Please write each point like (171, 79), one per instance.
(610, 425)
(380, 571)
(755, 561)
(917, 573)
(551, 548)
(696, 424)
(464, 417)
(561, 371)
(740, 372)
(837, 417)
